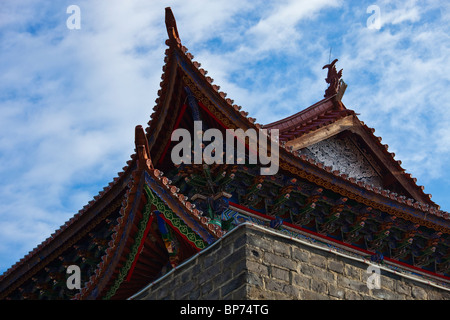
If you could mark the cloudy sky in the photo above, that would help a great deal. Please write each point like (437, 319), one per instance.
(70, 98)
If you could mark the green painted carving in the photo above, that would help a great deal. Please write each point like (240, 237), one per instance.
(134, 250)
(176, 222)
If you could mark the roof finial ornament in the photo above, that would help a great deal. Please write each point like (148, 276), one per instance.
(334, 79)
(142, 149)
(171, 25)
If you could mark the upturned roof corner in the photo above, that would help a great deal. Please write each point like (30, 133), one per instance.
(171, 26)
(142, 149)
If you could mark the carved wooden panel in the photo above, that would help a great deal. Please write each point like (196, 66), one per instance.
(343, 155)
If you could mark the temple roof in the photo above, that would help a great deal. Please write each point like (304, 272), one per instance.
(322, 114)
(139, 216)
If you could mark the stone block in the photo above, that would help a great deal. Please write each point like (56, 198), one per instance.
(183, 290)
(301, 280)
(352, 272)
(239, 294)
(352, 284)
(207, 274)
(232, 258)
(403, 288)
(418, 293)
(336, 266)
(213, 295)
(281, 261)
(253, 253)
(255, 279)
(319, 286)
(281, 248)
(257, 267)
(240, 241)
(206, 288)
(384, 294)
(336, 291)
(281, 274)
(282, 288)
(208, 260)
(233, 284)
(262, 243)
(299, 254)
(311, 295)
(318, 260)
(352, 295)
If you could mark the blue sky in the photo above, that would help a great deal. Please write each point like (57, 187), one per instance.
(70, 99)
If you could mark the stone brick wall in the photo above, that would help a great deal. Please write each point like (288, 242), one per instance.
(252, 263)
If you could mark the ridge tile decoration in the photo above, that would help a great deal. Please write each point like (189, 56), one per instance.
(337, 186)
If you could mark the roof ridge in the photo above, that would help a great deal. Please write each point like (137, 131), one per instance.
(328, 104)
(302, 112)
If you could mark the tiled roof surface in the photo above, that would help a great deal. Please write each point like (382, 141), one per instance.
(308, 122)
(119, 228)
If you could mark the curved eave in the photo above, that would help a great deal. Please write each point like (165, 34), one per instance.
(179, 64)
(378, 198)
(302, 116)
(111, 270)
(405, 179)
(45, 252)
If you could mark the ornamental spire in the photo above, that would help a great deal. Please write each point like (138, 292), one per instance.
(142, 149)
(336, 84)
(171, 25)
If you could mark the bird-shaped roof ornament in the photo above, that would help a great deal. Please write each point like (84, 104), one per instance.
(334, 80)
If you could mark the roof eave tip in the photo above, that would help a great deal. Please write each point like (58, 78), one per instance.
(171, 24)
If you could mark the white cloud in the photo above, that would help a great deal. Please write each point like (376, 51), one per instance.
(398, 81)
(395, 12)
(277, 29)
